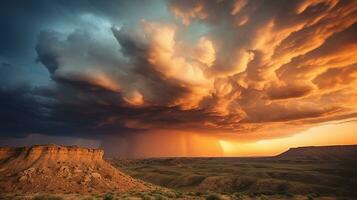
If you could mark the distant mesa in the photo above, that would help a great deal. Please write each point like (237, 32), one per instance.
(337, 152)
(60, 169)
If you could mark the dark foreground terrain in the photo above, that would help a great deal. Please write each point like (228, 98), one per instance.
(52, 172)
(300, 173)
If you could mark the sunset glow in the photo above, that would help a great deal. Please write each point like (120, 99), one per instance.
(322, 135)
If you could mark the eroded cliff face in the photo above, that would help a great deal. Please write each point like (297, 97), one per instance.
(54, 168)
(52, 151)
(6, 152)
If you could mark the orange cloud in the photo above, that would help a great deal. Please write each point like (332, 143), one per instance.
(258, 70)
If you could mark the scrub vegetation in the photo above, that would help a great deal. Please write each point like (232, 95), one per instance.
(248, 176)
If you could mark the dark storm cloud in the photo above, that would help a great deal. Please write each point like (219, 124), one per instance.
(20, 112)
(21, 20)
(115, 68)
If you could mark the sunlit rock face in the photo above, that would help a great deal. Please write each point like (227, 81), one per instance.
(52, 152)
(55, 168)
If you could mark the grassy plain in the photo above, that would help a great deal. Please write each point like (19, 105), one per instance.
(249, 177)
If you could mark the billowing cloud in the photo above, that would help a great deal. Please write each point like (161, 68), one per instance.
(230, 69)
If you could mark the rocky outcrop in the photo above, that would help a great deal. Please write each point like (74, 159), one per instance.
(7, 152)
(54, 168)
(52, 151)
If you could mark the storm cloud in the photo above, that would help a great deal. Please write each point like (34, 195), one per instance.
(247, 69)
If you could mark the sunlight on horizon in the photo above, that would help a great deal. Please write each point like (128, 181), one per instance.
(339, 133)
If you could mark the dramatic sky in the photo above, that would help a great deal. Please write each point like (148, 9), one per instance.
(179, 78)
